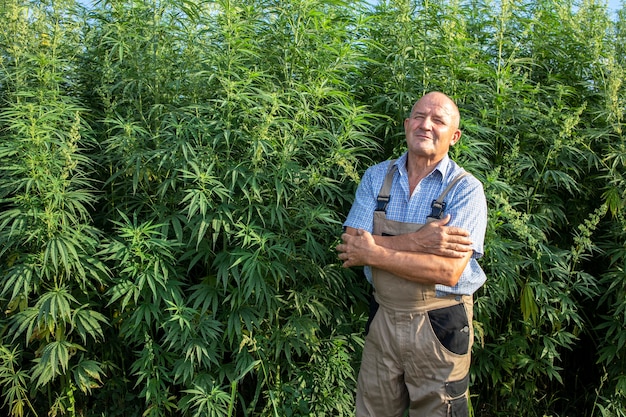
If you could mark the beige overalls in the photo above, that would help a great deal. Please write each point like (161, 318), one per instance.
(417, 351)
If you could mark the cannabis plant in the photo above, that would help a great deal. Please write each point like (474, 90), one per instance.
(49, 267)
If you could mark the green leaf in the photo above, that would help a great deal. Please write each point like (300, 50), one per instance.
(87, 375)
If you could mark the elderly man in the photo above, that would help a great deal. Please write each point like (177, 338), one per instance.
(417, 225)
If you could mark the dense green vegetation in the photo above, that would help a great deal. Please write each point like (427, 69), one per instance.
(174, 174)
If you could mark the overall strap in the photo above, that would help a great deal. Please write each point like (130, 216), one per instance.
(438, 206)
(385, 191)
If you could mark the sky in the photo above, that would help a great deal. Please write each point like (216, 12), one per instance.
(614, 5)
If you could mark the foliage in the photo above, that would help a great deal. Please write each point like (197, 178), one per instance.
(174, 174)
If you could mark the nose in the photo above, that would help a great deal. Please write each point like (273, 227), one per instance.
(424, 123)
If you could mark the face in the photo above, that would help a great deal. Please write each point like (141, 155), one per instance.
(432, 127)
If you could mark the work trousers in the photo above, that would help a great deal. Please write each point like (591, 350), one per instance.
(417, 359)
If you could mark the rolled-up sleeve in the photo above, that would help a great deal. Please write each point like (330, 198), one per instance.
(361, 212)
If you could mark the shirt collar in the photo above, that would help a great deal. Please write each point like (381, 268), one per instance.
(441, 167)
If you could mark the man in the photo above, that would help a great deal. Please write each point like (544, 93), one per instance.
(424, 270)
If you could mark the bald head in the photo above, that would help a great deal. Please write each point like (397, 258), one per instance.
(447, 105)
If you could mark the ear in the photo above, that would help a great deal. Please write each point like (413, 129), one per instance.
(456, 137)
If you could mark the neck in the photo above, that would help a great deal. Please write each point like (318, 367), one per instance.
(418, 169)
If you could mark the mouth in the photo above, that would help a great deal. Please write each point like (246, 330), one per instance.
(422, 137)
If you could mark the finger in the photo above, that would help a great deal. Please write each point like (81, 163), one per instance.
(462, 247)
(347, 238)
(458, 240)
(457, 231)
(443, 221)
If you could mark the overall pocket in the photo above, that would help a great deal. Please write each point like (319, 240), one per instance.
(451, 327)
(457, 406)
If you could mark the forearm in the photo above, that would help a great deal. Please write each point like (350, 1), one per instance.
(419, 267)
(407, 242)
(359, 248)
(434, 238)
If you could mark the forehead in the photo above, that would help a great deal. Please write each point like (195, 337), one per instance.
(434, 105)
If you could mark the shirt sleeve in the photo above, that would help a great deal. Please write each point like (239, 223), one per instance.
(468, 210)
(361, 213)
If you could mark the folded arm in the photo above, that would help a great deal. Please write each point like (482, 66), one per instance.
(401, 255)
(435, 238)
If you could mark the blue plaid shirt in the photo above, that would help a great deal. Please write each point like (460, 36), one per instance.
(466, 204)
